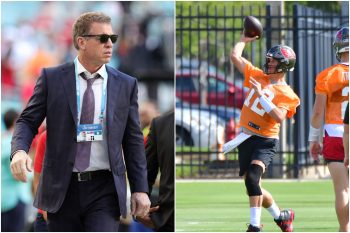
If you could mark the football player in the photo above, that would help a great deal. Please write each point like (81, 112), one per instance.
(332, 94)
(269, 101)
(346, 136)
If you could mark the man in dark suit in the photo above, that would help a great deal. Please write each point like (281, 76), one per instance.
(160, 155)
(92, 120)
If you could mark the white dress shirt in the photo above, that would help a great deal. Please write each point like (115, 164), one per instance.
(99, 151)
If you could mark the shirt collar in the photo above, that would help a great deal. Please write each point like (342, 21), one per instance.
(102, 71)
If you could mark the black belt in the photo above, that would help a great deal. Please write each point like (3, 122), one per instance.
(90, 175)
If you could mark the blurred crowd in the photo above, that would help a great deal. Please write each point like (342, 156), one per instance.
(39, 34)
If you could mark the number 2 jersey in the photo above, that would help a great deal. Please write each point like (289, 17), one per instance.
(334, 83)
(253, 116)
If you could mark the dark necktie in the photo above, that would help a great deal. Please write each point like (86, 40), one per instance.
(82, 159)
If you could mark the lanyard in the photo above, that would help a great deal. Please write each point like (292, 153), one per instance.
(104, 88)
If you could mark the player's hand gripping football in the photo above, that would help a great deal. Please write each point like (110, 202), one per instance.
(247, 39)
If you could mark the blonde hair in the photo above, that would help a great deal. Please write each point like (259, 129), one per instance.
(82, 25)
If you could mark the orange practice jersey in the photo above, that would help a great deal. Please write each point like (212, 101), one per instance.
(334, 82)
(253, 116)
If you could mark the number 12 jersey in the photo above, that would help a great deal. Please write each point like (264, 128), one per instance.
(253, 116)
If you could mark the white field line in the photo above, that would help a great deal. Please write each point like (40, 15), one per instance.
(241, 180)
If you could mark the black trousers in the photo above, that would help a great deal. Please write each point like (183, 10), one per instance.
(169, 226)
(14, 219)
(88, 206)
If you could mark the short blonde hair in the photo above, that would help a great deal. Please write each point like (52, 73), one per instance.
(82, 25)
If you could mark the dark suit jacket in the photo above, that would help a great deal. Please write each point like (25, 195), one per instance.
(160, 154)
(55, 98)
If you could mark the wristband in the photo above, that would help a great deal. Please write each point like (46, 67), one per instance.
(266, 104)
(314, 134)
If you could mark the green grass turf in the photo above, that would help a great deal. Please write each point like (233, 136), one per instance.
(223, 206)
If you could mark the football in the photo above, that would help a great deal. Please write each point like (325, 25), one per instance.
(252, 27)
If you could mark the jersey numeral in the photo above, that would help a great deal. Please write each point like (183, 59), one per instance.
(260, 111)
(344, 92)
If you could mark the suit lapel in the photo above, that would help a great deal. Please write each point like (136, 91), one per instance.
(113, 90)
(113, 86)
(68, 79)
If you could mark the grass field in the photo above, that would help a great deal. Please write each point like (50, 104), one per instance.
(222, 206)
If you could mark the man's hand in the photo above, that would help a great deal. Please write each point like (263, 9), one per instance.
(346, 161)
(146, 220)
(21, 164)
(45, 215)
(140, 204)
(256, 86)
(315, 150)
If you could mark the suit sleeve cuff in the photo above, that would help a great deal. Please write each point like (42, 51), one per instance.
(11, 157)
